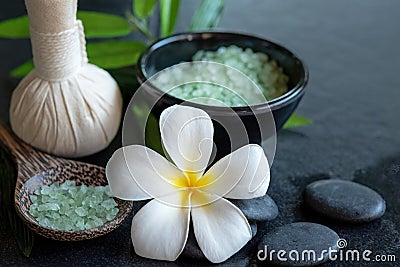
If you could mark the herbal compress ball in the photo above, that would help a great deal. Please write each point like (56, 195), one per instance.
(65, 106)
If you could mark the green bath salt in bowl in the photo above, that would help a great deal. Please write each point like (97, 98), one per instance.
(260, 79)
(248, 85)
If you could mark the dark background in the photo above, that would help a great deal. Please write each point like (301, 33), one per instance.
(353, 98)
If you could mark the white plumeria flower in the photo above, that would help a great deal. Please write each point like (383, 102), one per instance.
(182, 191)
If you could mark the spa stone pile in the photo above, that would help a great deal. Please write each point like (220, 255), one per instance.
(334, 199)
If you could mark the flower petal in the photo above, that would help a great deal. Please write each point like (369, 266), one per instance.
(221, 229)
(137, 173)
(187, 135)
(243, 174)
(160, 231)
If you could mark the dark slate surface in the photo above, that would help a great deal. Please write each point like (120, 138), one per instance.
(351, 49)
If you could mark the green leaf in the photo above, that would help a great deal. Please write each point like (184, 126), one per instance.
(15, 28)
(126, 79)
(102, 25)
(22, 70)
(144, 117)
(143, 8)
(296, 121)
(97, 25)
(6, 183)
(168, 14)
(107, 55)
(152, 133)
(141, 26)
(23, 235)
(114, 54)
(207, 15)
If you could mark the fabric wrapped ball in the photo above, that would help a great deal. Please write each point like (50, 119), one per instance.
(73, 117)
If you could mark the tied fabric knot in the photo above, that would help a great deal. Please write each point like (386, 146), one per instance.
(65, 106)
(58, 56)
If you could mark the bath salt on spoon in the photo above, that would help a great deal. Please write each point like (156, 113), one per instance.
(65, 106)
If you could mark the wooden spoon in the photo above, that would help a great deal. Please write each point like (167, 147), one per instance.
(36, 169)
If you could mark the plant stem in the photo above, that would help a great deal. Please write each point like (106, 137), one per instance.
(141, 26)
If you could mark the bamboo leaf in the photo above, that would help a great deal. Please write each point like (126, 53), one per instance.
(22, 70)
(23, 235)
(115, 54)
(152, 136)
(207, 15)
(102, 25)
(152, 133)
(143, 8)
(5, 185)
(107, 55)
(15, 28)
(140, 25)
(97, 25)
(126, 78)
(168, 14)
(296, 121)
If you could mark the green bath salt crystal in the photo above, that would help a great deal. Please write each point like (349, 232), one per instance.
(222, 85)
(70, 207)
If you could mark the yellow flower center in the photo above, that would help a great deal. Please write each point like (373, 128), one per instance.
(192, 180)
(190, 185)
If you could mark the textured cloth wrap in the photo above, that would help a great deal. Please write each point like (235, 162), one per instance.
(65, 106)
(58, 56)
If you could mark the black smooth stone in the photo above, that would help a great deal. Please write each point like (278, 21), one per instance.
(257, 209)
(345, 200)
(285, 245)
(254, 228)
(192, 249)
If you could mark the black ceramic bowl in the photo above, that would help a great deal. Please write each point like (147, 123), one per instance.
(181, 47)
